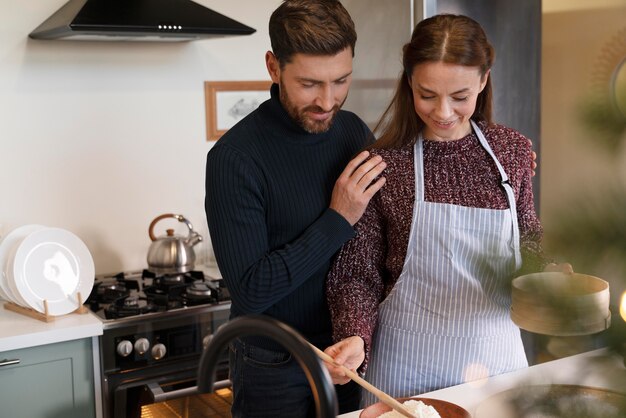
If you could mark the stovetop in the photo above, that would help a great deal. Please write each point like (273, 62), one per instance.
(137, 294)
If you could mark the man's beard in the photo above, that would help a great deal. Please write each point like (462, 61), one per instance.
(311, 126)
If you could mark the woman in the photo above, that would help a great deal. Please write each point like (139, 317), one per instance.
(420, 297)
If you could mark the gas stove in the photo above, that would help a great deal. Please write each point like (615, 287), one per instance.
(155, 329)
(127, 295)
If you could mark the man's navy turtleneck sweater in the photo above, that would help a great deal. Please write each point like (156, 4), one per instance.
(268, 188)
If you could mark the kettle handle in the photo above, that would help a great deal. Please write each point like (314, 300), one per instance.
(180, 218)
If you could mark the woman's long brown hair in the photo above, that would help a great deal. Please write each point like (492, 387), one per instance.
(452, 39)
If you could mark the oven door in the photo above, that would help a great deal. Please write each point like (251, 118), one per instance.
(174, 394)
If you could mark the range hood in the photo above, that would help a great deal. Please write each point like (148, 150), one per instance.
(137, 20)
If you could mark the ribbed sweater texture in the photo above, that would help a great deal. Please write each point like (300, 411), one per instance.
(268, 190)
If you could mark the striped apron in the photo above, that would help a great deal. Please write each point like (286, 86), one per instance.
(446, 320)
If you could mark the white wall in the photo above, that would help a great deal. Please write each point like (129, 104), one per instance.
(101, 137)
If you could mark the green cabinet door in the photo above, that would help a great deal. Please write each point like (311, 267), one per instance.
(50, 381)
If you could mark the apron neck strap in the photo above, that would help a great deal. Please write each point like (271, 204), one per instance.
(418, 158)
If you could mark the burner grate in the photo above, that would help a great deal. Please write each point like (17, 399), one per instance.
(129, 306)
(129, 294)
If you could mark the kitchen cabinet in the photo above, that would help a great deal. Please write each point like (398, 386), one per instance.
(49, 381)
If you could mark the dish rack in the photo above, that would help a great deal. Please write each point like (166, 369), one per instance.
(45, 316)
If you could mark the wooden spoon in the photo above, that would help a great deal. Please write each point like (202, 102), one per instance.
(382, 396)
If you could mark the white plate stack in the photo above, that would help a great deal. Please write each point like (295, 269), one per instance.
(40, 264)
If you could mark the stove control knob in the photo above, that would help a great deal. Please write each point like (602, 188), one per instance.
(141, 346)
(158, 351)
(124, 348)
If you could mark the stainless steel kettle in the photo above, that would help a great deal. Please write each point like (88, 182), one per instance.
(172, 254)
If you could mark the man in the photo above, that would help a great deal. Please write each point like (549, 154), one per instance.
(280, 204)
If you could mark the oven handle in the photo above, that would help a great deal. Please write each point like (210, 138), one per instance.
(157, 394)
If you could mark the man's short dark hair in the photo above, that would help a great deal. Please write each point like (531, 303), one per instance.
(314, 27)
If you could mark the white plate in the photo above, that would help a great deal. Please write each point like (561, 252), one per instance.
(52, 264)
(7, 246)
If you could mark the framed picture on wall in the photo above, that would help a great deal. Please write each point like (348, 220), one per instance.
(227, 102)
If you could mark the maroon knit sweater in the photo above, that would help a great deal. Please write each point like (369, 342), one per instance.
(458, 172)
